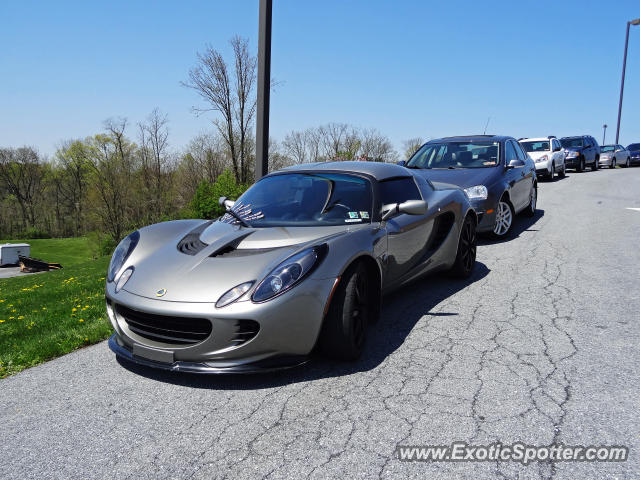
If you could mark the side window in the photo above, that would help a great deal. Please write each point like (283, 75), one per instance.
(556, 144)
(510, 152)
(398, 190)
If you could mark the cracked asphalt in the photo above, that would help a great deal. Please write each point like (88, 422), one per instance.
(540, 346)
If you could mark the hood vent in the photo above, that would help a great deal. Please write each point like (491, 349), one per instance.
(230, 251)
(191, 243)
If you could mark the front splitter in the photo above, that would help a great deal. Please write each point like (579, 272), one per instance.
(262, 366)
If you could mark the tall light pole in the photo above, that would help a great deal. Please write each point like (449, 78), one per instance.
(604, 134)
(624, 67)
(264, 84)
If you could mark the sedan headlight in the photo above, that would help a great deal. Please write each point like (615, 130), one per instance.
(234, 294)
(543, 158)
(572, 154)
(289, 273)
(121, 253)
(478, 192)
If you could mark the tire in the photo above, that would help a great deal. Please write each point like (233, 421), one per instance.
(467, 248)
(552, 173)
(613, 163)
(344, 330)
(628, 163)
(530, 211)
(596, 164)
(504, 219)
(563, 173)
(580, 167)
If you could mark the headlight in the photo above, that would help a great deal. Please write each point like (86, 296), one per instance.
(572, 154)
(121, 253)
(479, 192)
(543, 158)
(289, 273)
(124, 278)
(234, 294)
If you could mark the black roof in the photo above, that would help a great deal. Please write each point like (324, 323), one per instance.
(472, 138)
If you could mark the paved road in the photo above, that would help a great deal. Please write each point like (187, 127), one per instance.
(541, 346)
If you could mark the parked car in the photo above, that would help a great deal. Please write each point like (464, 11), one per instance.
(301, 258)
(612, 155)
(580, 152)
(495, 172)
(547, 154)
(634, 153)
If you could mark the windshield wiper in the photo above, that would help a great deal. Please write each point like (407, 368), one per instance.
(451, 167)
(238, 217)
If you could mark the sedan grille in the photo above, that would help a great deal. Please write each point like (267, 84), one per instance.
(166, 329)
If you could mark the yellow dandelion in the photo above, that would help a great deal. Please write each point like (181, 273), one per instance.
(79, 306)
(20, 317)
(13, 310)
(44, 308)
(11, 318)
(1, 321)
(1, 301)
(86, 306)
(81, 320)
(86, 339)
(74, 309)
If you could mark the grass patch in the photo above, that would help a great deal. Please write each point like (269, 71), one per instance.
(45, 315)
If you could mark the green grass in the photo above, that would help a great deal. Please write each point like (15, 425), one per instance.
(46, 315)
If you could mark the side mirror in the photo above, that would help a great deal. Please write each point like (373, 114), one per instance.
(402, 163)
(227, 204)
(557, 149)
(515, 163)
(410, 207)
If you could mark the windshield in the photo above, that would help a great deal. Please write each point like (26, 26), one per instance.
(535, 146)
(607, 148)
(575, 142)
(305, 199)
(456, 155)
(634, 146)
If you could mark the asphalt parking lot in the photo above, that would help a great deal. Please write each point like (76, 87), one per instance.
(541, 346)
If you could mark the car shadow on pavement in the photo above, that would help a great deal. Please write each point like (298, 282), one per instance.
(401, 311)
(521, 224)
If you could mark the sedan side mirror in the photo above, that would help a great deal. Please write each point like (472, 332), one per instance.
(410, 207)
(557, 149)
(402, 163)
(226, 203)
(515, 163)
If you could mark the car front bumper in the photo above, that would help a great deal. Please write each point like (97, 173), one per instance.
(543, 168)
(289, 326)
(605, 162)
(485, 209)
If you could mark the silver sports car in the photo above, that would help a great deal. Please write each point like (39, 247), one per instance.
(301, 260)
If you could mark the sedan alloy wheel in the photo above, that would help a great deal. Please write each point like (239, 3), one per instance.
(504, 219)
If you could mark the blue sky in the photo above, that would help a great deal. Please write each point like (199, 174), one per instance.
(407, 68)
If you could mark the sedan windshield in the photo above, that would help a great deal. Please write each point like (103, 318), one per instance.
(303, 200)
(456, 155)
(634, 146)
(535, 146)
(607, 148)
(575, 142)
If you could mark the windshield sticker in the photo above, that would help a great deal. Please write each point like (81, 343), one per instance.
(351, 220)
(353, 214)
(364, 214)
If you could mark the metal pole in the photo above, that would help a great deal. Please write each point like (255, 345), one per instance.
(624, 67)
(604, 134)
(264, 84)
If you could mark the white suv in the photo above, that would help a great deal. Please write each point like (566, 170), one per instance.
(547, 154)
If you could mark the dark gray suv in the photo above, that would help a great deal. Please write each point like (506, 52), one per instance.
(580, 152)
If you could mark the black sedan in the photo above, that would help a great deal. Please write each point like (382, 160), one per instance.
(496, 174)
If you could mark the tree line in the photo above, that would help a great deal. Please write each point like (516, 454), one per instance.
(128, 176)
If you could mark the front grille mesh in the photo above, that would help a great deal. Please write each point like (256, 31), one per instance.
(166, 329)
(245, 331)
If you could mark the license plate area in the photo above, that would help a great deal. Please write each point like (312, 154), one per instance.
(148, 353)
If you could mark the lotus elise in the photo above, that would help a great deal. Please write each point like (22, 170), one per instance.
(298, 263)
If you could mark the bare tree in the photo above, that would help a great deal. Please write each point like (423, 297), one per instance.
(411, 146)
(296, 146)
(332, 138)
(233, 98)
(70, 183)
(376, 147)
(22, 174)
(154, 155)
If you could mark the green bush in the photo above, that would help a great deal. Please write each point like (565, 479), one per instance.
(205, 201)
(101, 244)
(33, 232)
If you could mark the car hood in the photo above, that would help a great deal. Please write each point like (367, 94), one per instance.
(228, 256)
(537, 155)
(635, 153)
(606, 154)
(462, 177)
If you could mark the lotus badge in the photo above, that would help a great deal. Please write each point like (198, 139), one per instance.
(161, 292)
